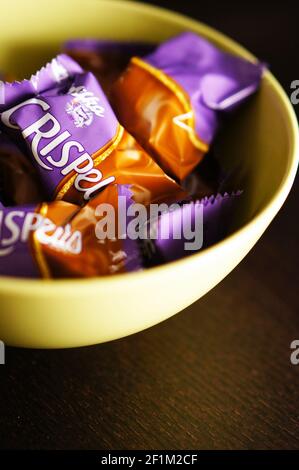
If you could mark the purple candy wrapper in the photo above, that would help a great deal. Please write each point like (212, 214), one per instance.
(214, 80)
(131, 249)
(16, 225)
(209, 218)
(63, 127)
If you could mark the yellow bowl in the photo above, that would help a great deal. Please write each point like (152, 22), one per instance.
(55, 314)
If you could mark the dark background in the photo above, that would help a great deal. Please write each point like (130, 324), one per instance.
(218, 375)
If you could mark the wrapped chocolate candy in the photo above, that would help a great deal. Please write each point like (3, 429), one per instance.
(172, 100)
(187, 228)
(76, 144)
(105, 248)
(61, 240)
(25, 230)
(106, 59)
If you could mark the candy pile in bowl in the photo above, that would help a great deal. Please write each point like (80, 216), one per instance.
(106, 156)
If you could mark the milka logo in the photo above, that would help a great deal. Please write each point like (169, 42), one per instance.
(44, 142)
(19, 225)
(84, 106)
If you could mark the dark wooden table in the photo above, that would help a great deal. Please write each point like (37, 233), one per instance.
(218, 375)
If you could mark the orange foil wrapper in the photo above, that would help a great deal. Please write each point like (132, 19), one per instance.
(125, 160)
(158, 113)
(99, 255)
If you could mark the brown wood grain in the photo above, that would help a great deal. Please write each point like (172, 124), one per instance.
(218, 375)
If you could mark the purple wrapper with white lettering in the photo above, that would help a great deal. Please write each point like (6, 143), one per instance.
(61, 240)
(62, 128)
(16, 224)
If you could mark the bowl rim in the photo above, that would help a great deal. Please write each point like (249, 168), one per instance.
(36, 287)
